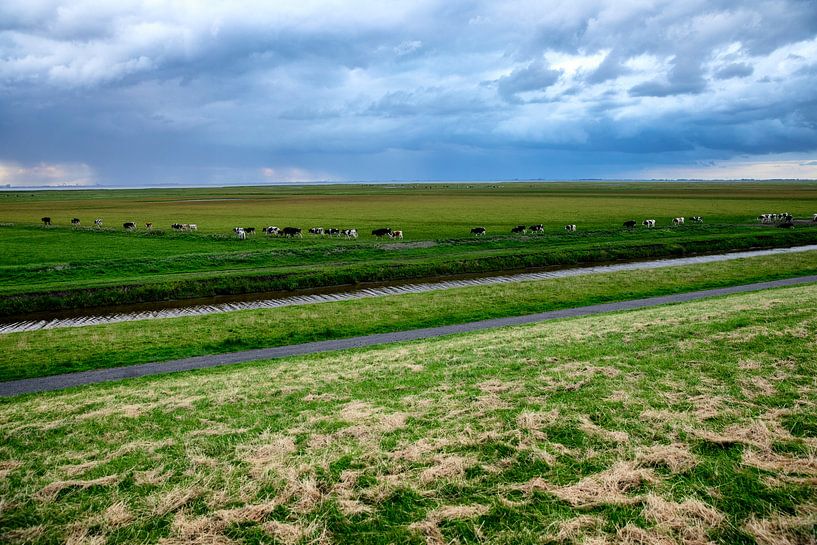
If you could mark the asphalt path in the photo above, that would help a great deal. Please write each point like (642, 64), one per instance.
(57, 382)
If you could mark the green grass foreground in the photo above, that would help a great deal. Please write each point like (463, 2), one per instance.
(49, 352)
(61, 267)
(689, 423)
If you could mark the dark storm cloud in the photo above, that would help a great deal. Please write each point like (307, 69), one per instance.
(136, 92)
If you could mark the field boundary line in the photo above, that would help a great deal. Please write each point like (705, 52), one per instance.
(58, 382)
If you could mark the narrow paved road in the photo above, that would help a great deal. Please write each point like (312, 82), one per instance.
(57, 382)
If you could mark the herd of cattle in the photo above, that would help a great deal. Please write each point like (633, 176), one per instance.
(243, 232)
(782, 220)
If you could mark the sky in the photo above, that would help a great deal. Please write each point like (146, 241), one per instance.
(144, 93)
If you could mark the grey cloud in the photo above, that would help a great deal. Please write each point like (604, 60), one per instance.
(537, 76)
(734, 70)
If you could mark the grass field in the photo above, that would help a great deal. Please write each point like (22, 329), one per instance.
(62, 267)
(49, 352)
(690, 423)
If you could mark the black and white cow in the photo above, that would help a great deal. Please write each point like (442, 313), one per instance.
(678, 221)
(291, 232)
(570, 228)
(270, 230)
(349, 233)
(697, 219)
(74, 221)
(240, 233)
(98, 222)
(176, 226)
(316, 231)
(538, 228)
(149, 226)
(333, 232)
(129, 226)
(478, 231)
(46, 221)
(629, 224)
(249, 230)
(382, 232)
(396, 234)
(518, 229)
(814, 218)
(649, 224)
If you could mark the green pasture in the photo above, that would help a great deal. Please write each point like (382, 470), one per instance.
(684, 424)
(64, 267)
(49, 352)
(422, 211)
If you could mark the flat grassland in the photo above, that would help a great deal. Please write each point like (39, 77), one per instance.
(64, 267)
(48, 352)
(689, 423)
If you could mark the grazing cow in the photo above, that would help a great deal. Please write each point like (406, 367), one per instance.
(649, 224)
(98, 222)
(149, 226)
(629, 224)
(518, 229)
(291, 232)
(396, 234)
(349, 233)
(249, 230)
(177, 226)
(570, 228)
(240, 233)
(316, 231)
(74, 221)
(271, 230)
(380, 233)
(677, 221)
(46, 221)
(478, 231)
(697, 219)
(332, 232)
(536, 228)
(129, 226)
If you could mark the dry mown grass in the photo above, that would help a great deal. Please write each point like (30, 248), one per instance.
(630, 428)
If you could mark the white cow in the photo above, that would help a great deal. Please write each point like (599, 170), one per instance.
(396, 234)
(649, 224)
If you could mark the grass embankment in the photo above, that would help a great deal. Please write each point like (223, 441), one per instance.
(48, 352)
(154, 278)
(684, 424)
